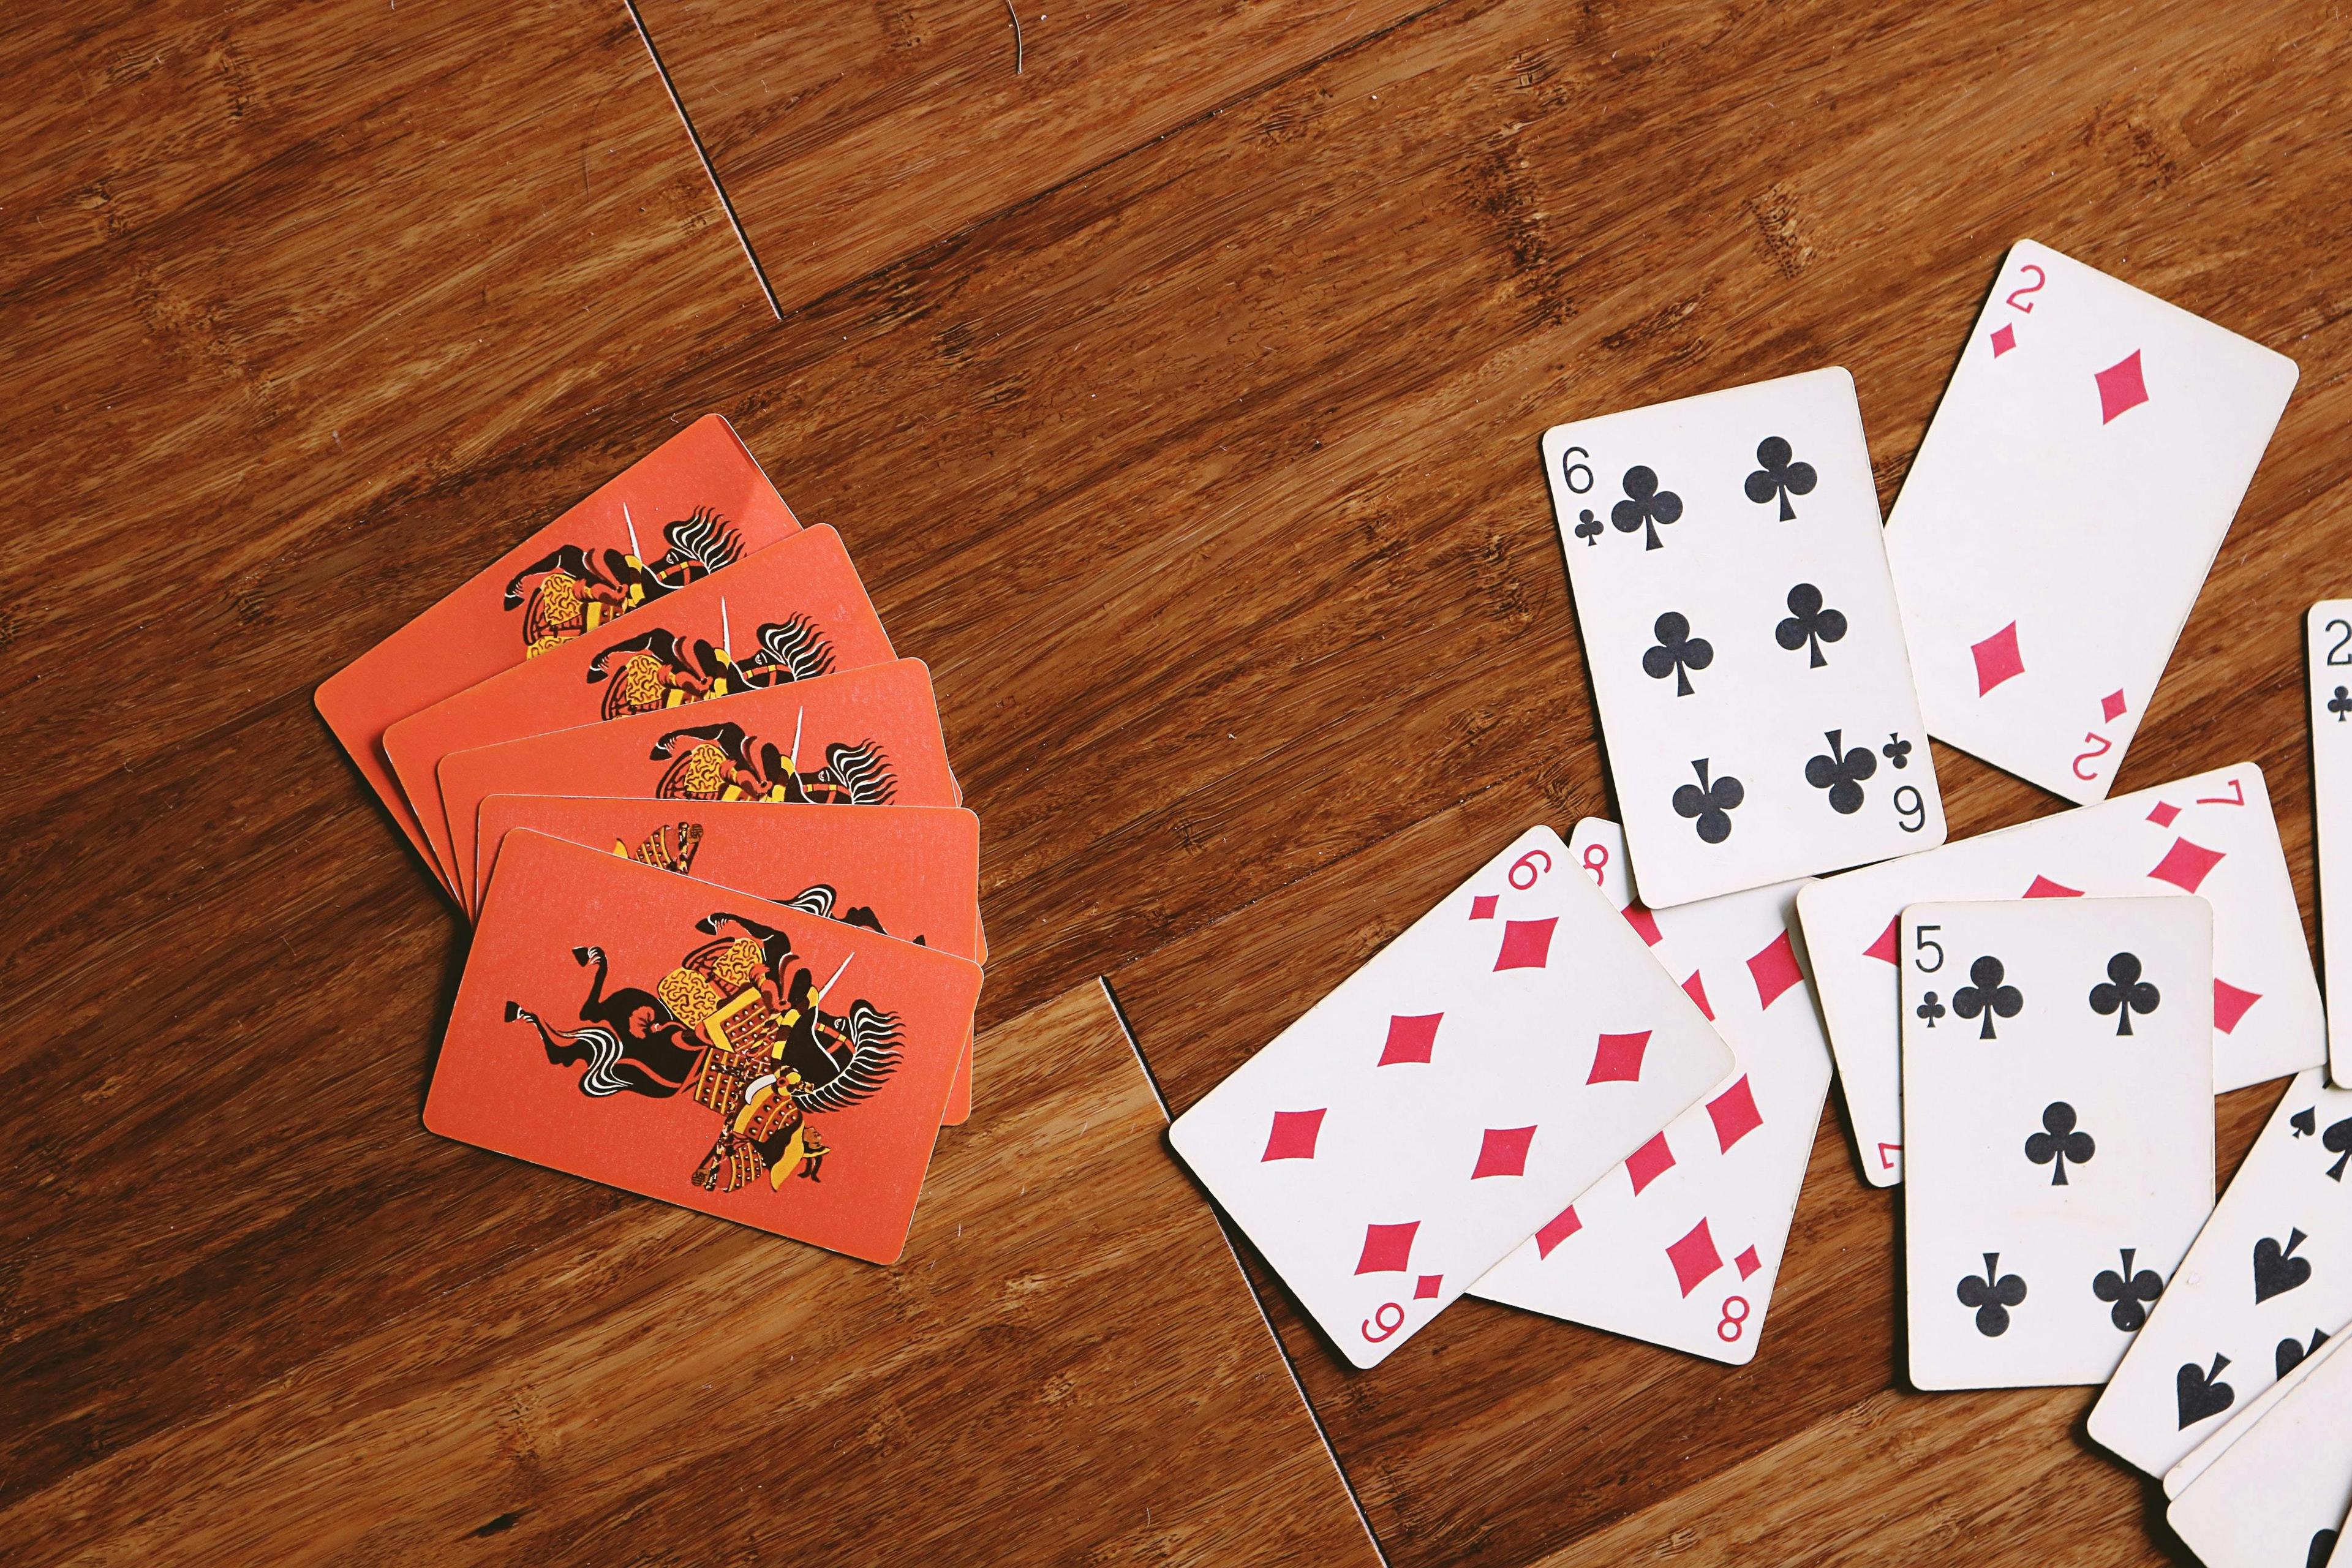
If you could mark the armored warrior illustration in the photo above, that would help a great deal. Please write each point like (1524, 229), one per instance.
(666, 849)
(723, 762)
(574, 590)
(655, 669)
(741, 1028)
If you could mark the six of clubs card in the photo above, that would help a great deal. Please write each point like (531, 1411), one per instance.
(1681, 1245)
(1741, 634)
(2058, 1113)
(2064, 509)
(1450, 1097)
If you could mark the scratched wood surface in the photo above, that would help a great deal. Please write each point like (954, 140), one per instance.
(1179, 399)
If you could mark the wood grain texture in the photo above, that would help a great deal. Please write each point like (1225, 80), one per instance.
(653, 1385)
(1178, 401)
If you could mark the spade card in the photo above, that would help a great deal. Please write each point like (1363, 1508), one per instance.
(2277, 1498)
(1741, 636)
(2211, 834)
(702, 1047)
(2328, 649)
(2306, 1358)
(864, 737)
(794, 611)
(2269, 1277)
(2063, 510)
(908, 871)
(2058, 1101)
(1450, 1097)
(694, 504)
(1681, 1243)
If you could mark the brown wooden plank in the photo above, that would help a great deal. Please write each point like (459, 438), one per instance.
(1067, 1368)
(849, 137)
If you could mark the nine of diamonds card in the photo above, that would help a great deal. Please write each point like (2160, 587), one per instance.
(1742, 639)
(2058, 1117)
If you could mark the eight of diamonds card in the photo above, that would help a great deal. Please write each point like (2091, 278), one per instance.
(1450, 1097)
(2058, 1101)
(2211, 834)
(1741, 635)
(2328, 648)
(2064, 509)
(2277, 1496)
(1681, 1243)
(2270, 1277)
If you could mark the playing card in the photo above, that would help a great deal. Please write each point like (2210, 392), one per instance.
(794, 611)
(2277, 1496)
(2058, 1101)
(2268, 1278)
(908, 871)
(1450, 1097)
(2327, 638)
(695, 503)
(2211, 834)
(866, 737)
(2310, 1355)
(701, 1047)
(2064, 509)
(1741, 636)
(1681, 1243)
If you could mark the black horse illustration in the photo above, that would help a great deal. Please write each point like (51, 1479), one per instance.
(726, 757)
(631, 1041)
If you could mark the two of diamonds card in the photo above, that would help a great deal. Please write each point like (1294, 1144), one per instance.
(1741, 632)
(2268, 1280)
(1681, 1245)
(2211, 834)
(2058, 1113)
(1452, 1096)
(2064, 509)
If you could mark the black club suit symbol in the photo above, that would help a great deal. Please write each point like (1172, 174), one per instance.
(1676, 652)
(1809, 623)
(2060, 1140)
(1930, 1009)
(1645, 506)
(1841, 771)
(1588, 526)
(1710, 803)
(2129, 1294)
(1779, 476)
(1992, 1294)
(2340, 704)
(2124, 991)
(1987, 996)
(1897, 750)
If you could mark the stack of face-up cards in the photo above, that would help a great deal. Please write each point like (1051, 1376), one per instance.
(728, 931)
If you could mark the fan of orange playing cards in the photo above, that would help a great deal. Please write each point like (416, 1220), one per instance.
(726, 898)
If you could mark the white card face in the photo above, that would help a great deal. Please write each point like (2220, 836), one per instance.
(2277, 1496)
(1740, 630)
(2269, 1277)
(1681, 1243)
(2328, 648)
(2057, 1091)
(1450, 1097)
(2239, 1422)
(2064, 509)
(2211, 834)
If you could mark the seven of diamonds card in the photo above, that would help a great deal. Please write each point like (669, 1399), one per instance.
(2064, 509)
(2327, 635)
(1681, 1245)
(1740, 630)
(1451, 1097)
(2058, 1111)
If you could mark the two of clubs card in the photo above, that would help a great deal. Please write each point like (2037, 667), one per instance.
(728, 941)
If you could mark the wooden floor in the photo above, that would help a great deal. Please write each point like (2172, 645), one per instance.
(1178, 394)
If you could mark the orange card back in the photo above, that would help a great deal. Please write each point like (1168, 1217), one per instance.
(794, 611)
(911, 871)
(867, 737)
(720, 1052)
(698, 501)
